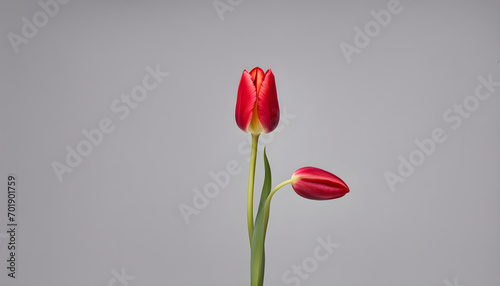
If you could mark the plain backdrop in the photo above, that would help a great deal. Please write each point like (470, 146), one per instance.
(118, 210)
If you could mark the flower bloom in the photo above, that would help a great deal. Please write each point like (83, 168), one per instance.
(257, 108)
(317, 184)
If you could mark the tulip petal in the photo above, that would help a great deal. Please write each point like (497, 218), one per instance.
(245, 102)
(267, 103)
(314, 173)
(317, 184)
(257, 77)
(321, 191)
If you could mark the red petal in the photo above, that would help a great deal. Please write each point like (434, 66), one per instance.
(257, 77)
(318, 184)
(267, 104)
(247, 95)
(317, 191)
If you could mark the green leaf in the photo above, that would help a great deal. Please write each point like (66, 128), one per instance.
(266, 188)
(258, 240)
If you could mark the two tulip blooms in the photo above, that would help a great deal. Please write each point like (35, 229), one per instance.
(257, 111)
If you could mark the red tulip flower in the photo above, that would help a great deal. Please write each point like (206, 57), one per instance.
(317, 184)
(310, 183)
(257, 108)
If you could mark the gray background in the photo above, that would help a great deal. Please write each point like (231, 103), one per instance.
(119, 207)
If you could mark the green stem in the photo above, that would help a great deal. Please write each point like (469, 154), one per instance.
(251, 179)
(268, 203)
(258, 256)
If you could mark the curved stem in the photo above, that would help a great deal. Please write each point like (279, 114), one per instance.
(268, 203)
(251, 179)
(257, 258)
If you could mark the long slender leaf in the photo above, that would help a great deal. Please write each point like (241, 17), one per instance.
(258, 240)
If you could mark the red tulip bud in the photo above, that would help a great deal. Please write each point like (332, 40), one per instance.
(257, 108)
(317, 184)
